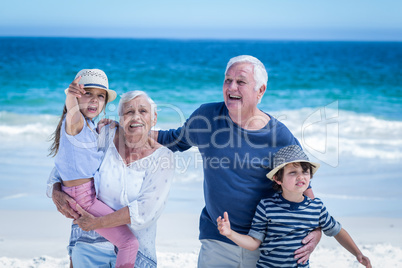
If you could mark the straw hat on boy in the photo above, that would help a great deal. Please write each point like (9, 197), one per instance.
(290, 154)
(95, 78)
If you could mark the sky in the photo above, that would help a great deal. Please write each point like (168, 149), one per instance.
(367, 20)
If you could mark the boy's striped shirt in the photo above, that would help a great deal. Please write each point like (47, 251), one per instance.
(281, 225)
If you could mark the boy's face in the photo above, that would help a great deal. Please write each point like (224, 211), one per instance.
(295, 180)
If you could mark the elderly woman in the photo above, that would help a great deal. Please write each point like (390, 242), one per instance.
(135, 177)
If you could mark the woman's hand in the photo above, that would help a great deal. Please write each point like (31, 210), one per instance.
(87, 221)
(64, 202)
(310, 242)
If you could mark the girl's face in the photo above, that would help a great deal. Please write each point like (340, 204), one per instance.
(294, 180)
(92, 102)
(137, 117)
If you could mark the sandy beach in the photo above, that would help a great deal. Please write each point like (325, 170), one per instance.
(37, 239)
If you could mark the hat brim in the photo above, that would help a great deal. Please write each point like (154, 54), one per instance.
(111, 94)
(271, 174)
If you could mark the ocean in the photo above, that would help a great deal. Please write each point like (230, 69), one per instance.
(342, 100)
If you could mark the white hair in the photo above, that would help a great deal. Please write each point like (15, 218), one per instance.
(260, 74)
(128, 96)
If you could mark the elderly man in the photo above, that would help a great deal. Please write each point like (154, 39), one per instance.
(237, 142)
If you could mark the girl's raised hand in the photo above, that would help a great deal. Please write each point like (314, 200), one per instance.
(75, 88)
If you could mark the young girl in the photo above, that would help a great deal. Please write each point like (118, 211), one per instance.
(78, 159)
(282, 221)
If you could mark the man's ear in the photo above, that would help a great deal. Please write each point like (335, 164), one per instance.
(261, 91)
(155, 119)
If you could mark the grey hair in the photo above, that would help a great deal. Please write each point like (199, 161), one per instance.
(128, 96)
(260, 73)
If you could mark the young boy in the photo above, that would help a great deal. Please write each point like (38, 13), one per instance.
(282, 221)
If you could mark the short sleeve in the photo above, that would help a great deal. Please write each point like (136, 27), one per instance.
(259, 223)
(328, 224)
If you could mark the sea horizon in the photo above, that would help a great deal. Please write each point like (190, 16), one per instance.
(217, 39)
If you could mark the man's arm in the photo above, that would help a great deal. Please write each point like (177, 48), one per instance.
(309, 193)
(183, 138)
(175, 139)
(310, 242)
(154, 135)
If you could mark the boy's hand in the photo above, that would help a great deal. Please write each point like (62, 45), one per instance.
(224, 224)
(364, 260)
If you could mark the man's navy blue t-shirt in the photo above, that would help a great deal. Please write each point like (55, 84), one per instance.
(235, 164)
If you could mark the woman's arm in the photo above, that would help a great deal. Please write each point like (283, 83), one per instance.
(60, 199)
(143, 211)
(88, 222)
(347, 242)
(63, 202)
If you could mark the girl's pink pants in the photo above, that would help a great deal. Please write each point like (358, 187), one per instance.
(120, 236)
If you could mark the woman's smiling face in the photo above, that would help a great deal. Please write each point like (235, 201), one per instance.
(137, 118)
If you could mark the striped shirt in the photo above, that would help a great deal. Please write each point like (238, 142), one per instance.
(281, 225)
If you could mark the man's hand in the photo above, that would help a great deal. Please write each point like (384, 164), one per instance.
(310, 242)
(87, 221)
(154, 135)
(64, 202)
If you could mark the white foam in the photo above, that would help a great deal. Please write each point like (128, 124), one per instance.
(349, 197)
(325, 133)
(26, 128)
(330, 133)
